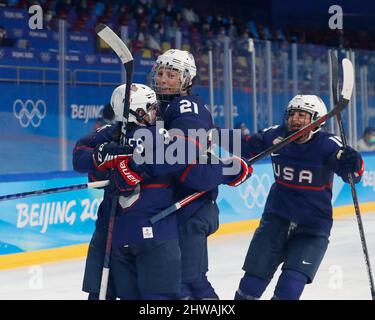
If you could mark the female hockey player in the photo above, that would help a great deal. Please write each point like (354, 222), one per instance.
(145, 258)
(171, 77)
(145, 261)
(297, 218)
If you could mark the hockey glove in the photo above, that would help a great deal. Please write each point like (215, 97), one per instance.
(350, 161)
(245, 172)
(124, 179)
(106, 155)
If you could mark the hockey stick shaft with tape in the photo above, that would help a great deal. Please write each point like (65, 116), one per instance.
(42, 192)
(121, 50)
(334, 65)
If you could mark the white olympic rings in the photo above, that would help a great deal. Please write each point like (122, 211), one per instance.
(255, 190)
(29, 112)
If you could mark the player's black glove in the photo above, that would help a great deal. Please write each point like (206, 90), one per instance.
(349, 160)
(106, 155)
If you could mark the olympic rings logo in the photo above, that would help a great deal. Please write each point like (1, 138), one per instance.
(255, 190)
(29, 112)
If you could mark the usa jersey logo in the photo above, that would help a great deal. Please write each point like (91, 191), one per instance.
(291, 175)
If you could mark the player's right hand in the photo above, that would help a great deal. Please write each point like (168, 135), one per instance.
(245, 172)
(115, 189)
(105, 155)
(123, 179)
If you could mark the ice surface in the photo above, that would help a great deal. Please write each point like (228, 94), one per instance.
(342, 274)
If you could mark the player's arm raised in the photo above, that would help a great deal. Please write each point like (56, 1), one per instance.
(345, 160)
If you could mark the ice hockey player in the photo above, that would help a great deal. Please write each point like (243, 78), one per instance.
(295, 226)
(136, 244)
(171, 78)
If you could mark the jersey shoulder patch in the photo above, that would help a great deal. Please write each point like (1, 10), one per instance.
(103, 127)
(272, 128)
(273, 134)
(330, 143)
(332, 138)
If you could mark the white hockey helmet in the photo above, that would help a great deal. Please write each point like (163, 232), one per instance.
(309, 103)
(143, 103)
(174, 59)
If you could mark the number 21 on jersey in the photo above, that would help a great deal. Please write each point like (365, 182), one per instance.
(188, 106)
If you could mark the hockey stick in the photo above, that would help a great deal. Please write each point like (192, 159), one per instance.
(119, 47)
(334, 64)
(95, 184)
(339, 106)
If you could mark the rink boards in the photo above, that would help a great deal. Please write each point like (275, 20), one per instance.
(59, 226)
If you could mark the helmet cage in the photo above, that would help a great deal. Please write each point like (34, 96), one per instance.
(171, 61)
(143, 117)
(311, 104)
(181, 87)
(142, 100)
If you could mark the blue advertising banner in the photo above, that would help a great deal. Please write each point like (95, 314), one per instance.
(29, 121)
(50, 58)
(30, 130)
(48, 221)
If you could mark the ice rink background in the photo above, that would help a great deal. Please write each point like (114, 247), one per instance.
(342, 274)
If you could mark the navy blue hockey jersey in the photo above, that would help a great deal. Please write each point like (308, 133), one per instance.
(303, 173)
(154, 193)
(133, 211)
(184, 113)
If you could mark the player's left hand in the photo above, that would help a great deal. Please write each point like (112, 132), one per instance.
(126, 176)
(245, 172)
(349, 160)
(124, 179)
